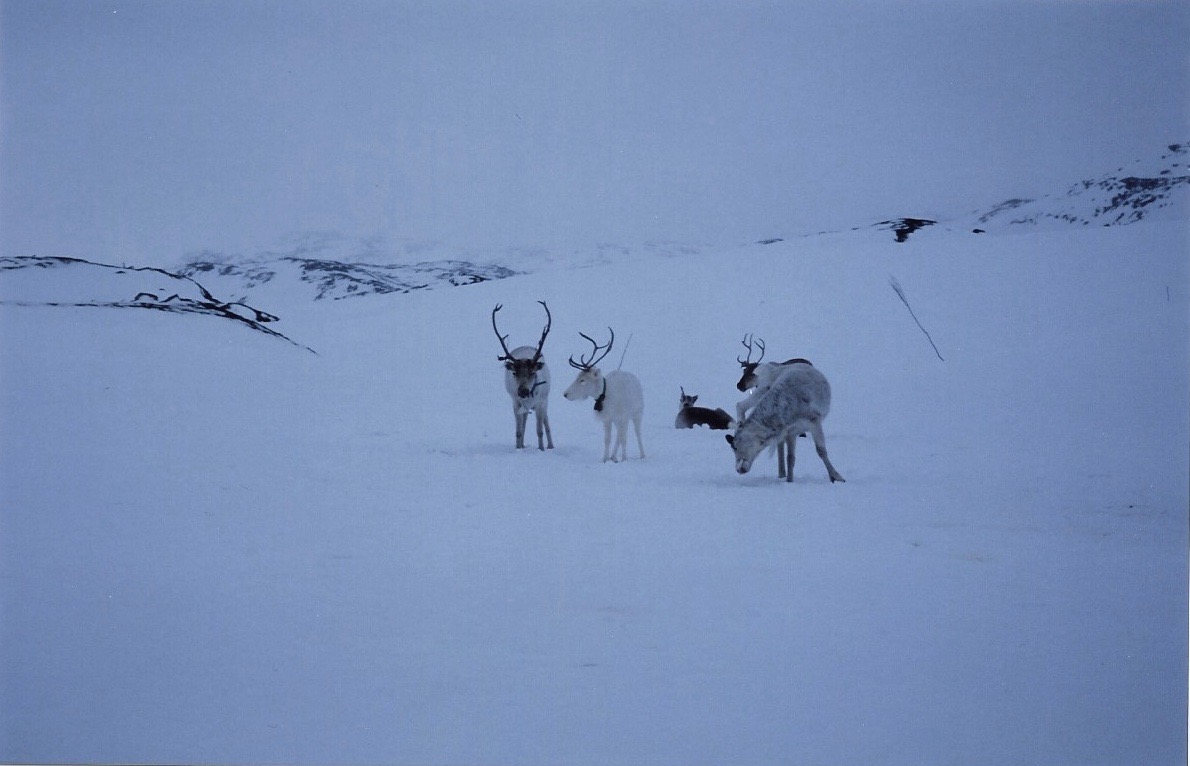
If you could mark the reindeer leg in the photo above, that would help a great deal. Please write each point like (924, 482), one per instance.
(607, 439)
(521, 418)
(790, 443)
(781, 459)
(640, 444)
(544, 419)
(820, 445)
(540, 430)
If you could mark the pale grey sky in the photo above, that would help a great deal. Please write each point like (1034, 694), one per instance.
(142, 131)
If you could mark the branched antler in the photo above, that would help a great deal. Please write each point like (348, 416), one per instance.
(549, 320)
(502, 338)
(584, 363)
(747, 343)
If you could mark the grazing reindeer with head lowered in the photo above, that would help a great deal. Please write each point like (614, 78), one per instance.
(618, 396)
(690, 416)
(759, 376)
(795, 403)
(527, 380)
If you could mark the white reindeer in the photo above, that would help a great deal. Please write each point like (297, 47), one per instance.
(527, 381)
(759, 376)
(796, 403)
(618, 396)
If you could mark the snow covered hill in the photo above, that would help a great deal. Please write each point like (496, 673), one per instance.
(335, 266)
(326, 266)
(217, 547)
(1156, 187)
(318, 266)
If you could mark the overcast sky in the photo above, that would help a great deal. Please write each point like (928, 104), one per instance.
(143, 131)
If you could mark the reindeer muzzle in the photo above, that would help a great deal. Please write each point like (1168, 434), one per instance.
(526, 392)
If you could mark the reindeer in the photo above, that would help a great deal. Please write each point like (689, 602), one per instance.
(618, 398)
(690, 416)
(759, 377)
(795, 403)
(527, 381)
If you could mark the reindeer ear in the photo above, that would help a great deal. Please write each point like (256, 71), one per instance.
(508, 366)
(540, 365)
(730, 439)
(694, 399)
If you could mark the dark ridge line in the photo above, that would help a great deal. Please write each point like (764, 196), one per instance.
(172, 304)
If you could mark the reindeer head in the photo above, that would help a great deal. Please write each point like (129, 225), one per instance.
(746, 447)
(748, 379)
(687, 400)
(590, 380)
(523, 368)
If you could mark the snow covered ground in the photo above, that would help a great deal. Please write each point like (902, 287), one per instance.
(218, 547)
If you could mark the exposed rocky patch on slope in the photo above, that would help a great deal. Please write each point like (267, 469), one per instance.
(1149, 189)
(903, 227)
(1124, 196)
(335, 280)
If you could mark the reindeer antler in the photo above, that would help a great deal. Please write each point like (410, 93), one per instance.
(586, 364)
(502, 338)
(549, 320)
(747, 343)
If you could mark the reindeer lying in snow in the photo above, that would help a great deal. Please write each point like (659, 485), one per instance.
(618, 396)
(690, 416)
(794, 404)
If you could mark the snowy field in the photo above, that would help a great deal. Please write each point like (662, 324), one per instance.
(218, 547)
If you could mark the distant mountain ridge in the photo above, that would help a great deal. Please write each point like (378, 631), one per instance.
(1122, 197)
(1150, 189)
(330, 266)
(334, 280)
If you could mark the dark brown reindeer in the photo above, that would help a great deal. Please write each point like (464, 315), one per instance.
(690, 416)
(757, 375)
(527, 381)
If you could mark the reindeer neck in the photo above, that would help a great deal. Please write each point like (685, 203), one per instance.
(762, 428)
(602, 396)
